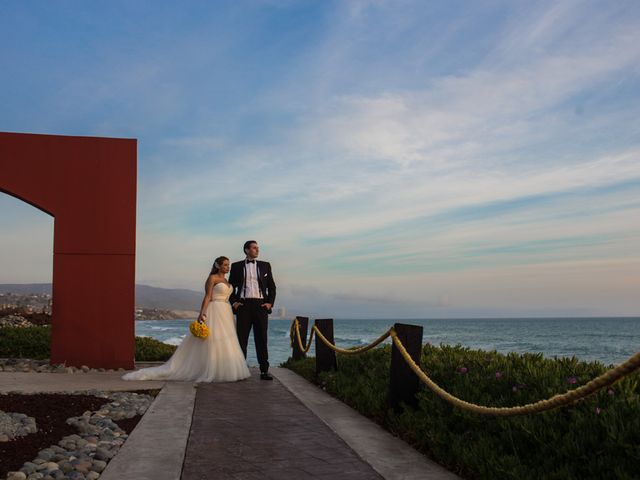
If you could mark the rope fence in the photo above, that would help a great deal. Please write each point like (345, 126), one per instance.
(602, 381)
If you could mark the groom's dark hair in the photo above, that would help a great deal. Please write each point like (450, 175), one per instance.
(247, 244)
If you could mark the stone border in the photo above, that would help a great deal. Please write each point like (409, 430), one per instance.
(28, 365)
(19, 382)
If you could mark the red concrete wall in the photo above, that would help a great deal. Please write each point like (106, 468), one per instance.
(89, 186)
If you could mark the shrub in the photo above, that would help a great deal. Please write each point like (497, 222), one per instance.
(598, 437)
(152, 350)
(35, 343)
(30, 342)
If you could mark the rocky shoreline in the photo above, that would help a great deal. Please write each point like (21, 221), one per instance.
(15, 321)
(161, 314)
(23, 317)
(16, 318)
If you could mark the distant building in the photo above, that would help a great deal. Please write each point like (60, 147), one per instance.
(282, 312)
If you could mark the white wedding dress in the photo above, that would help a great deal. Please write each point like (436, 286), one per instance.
(217, 358)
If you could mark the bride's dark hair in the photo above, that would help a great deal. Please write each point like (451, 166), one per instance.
(215, 269)
(216, 265)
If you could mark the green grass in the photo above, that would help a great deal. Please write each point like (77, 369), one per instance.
(595, 438)
(35, 343)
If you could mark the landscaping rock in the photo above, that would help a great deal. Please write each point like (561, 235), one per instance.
(14, 425)
(84, 456)
(16, 476)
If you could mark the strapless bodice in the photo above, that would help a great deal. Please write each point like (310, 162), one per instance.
(221, 292)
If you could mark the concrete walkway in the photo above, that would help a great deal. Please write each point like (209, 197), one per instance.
(388, 455)
(20, 382)
(155, 449)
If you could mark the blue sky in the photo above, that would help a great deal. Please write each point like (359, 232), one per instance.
(392, 158)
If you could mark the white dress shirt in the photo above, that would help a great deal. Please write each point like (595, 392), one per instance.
(252, 288)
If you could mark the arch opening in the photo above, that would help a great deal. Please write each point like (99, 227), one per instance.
(26, 265)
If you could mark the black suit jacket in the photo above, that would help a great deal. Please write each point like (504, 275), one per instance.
(265, 281)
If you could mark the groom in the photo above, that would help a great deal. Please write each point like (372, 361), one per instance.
(254, 292)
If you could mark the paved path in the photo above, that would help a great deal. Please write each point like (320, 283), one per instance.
(391, 457)
(259, 430)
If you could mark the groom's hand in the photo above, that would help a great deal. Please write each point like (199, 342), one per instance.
(267, 306)
(236, 305)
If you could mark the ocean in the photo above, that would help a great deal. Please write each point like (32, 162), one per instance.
(607, 340)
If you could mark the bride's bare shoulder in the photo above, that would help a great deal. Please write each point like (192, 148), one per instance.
(211, 281)
(214, 279)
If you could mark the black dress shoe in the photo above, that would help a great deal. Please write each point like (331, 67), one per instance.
(265, 376)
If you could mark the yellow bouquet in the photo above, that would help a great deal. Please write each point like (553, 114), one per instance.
(199, 329)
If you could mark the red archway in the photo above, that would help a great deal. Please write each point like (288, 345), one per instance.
(88, 185)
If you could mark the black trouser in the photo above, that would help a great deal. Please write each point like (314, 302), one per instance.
(251, 314)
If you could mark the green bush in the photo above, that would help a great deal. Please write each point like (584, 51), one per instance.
(31, 342)
(35, 343)
(152, 350)
(598, 437)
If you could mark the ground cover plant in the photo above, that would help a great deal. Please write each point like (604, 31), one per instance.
(598, 437)
(35, 343)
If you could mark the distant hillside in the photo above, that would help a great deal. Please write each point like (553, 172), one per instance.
(168, 298)
(25, 288)
(146, 296)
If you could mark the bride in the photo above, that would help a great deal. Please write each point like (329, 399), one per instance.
(217, 358)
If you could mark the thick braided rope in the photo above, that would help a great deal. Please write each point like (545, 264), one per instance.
(292, 334)
(351, 351)
(608, 378)
(604, 380)
(295, 326)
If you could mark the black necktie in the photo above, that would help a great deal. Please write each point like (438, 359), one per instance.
(251, 261)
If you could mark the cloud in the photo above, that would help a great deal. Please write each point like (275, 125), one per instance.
(483, 131)
(457, 154)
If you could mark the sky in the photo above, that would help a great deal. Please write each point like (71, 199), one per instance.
(393, 159)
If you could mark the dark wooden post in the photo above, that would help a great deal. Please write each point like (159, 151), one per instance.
(403, 383)
(304, 325)
(325, 356)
